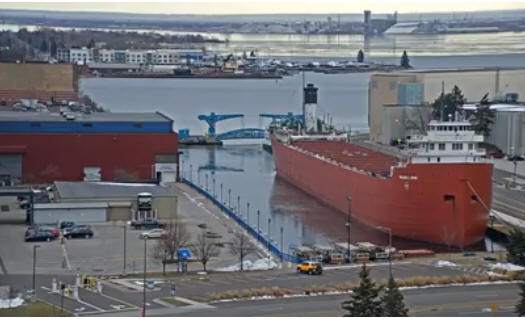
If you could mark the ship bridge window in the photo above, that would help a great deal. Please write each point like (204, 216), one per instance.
(431, 146)
(457, 146)
(470, 146)
(441, 146)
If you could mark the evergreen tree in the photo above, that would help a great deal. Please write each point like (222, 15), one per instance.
(516, 247)
(365, 301)
(91, 44)
(520, 307)
(360, 56)
(393, 301)
(483, 117)
(44, 46)
(53, 49)
(446, 105)
(405, 61)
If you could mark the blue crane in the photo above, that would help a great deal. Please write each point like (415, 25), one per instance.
(213, 118)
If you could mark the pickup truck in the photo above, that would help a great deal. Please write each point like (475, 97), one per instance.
(148, 223)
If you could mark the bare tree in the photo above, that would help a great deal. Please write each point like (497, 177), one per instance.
(176, 237)
(242, 246)
(205, 248)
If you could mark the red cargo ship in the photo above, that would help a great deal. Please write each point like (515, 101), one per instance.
(437, 192)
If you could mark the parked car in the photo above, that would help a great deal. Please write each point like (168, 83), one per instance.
(516, 158)
(66, 224)
(78, 231)
(154, 233)
(310, 267)
(54, 231)
(148, 223)
(495, 154)
(36, 235)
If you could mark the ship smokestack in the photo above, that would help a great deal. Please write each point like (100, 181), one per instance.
(310, 108)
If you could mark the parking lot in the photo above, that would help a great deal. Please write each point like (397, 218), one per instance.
(104, 253)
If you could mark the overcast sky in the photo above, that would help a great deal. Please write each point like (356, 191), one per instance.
(272, 6)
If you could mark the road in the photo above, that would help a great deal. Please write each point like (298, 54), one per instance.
(508, 201)
(466, 301)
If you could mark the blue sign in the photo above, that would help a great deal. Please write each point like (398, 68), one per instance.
(184, 254)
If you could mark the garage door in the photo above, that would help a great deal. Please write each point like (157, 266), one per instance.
(77, 215)
(11, 167)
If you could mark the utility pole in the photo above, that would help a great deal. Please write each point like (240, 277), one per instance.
(34, 270)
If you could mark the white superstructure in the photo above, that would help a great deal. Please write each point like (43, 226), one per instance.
(447, 142)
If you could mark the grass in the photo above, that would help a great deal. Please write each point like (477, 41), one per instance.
(174, 301)
(417, 281)
(35, 309)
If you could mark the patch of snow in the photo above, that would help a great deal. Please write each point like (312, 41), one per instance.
(444, 263)
(11, 303)
(260, 264)
(507, 266)
(508, 219)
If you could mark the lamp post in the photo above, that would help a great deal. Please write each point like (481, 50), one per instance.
(182, 168)
(491, 240)
(514, 158)
(282, 243)
(347, 224)
(269, 228)
(221, 195)
(229, 198)
(198, 178)
(258, 228)
(389, 230)
(191, 173)
(144, 279)
(213, 182)
(206, 181)
(248, 213)
(125, 233)
(178, 161)
(34, 270)
(239, 205)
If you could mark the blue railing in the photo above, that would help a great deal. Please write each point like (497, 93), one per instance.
(264, 241)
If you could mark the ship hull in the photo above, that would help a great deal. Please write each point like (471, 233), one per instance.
(436, 203)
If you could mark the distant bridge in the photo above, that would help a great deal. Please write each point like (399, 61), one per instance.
(243, 133)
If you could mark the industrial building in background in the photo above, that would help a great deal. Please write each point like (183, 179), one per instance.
(126, 147)
(399, 103)
(41, 81)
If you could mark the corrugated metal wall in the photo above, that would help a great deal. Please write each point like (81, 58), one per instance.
(77, 215)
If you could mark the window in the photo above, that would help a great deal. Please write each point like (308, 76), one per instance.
(457, 146)
(441, 146)
(470, 146)
(431, 145)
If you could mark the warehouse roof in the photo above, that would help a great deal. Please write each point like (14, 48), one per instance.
(11, 116)
(85, 190)
(70, 205)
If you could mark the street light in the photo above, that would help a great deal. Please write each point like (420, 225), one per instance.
(144, 279)
(347, 224)
(214, 187)
(258, 228)
(206, 181)
(221, 195)
(282, 243)
(191, 173)
(229, 198)
(269, 228)
(125, 231)
(515, 162)
(491, 216)
(198, 178)
(239, 206)
(182, 169)
(389, 230)
(248, 213)
(34, 270)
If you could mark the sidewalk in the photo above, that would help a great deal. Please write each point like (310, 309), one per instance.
(508, 166)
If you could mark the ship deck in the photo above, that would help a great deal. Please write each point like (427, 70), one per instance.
(351, 155)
